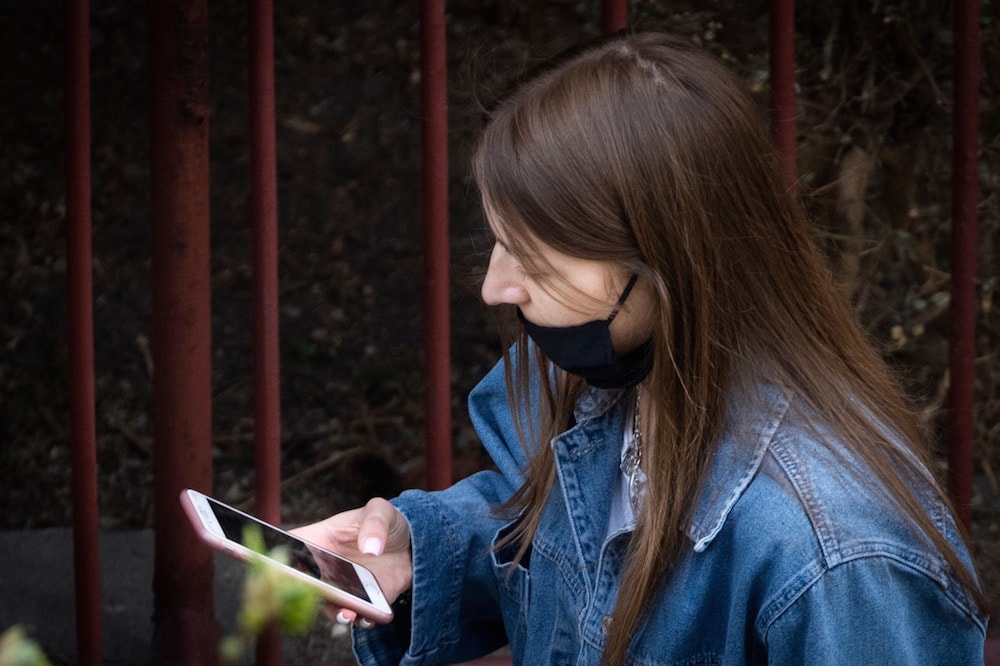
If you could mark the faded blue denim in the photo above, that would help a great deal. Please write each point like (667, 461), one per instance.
(791, 559)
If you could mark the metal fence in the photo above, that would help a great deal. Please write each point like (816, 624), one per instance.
(179, 163)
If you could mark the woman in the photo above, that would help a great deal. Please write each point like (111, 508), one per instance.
(700, 459)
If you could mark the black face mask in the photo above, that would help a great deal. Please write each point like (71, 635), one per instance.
(586, 350)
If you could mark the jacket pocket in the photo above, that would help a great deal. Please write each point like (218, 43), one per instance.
(513, 583)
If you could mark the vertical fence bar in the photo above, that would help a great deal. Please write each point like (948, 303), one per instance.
(965, 192)
(264, 214)
(781, 38)
(185, 629)
(437, 320)
(614, 15)
(80, 301)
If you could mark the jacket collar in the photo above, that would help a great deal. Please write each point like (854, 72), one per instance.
(595, 402)
(751, 424)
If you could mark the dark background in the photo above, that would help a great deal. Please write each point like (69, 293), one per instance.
(874, 122)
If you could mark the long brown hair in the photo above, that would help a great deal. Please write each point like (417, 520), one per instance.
(645, 151)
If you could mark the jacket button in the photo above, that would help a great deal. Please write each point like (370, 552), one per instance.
(606, 624)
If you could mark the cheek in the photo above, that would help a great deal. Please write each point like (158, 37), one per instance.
(547, 310)
(635, 324)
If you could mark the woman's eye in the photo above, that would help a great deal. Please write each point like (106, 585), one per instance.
(534, 276)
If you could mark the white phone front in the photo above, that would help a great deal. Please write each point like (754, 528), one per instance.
(342, 581)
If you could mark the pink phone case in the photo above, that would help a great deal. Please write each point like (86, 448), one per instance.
(330, 592)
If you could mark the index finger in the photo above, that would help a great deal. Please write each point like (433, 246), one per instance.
(341, 528)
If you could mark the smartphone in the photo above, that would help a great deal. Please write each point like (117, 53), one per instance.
(343, 582)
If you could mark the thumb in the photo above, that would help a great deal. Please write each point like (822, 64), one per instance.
(378, 519)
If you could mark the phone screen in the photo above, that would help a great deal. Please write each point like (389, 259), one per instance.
(317, 563)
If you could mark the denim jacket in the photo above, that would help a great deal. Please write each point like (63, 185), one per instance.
(792, 560)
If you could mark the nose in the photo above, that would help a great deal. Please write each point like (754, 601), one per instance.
(503, 283)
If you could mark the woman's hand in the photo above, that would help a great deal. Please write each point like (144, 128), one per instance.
(375, 536)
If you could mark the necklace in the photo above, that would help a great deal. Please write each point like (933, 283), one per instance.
(631, 459)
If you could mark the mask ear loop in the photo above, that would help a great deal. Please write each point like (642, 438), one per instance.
(623, 297)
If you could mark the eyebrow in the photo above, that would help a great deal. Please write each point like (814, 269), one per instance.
(521, 259)
(507, 248)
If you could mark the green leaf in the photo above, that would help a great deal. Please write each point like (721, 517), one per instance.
(16, 649)
(232, 649)
(299, 607)
(270, 595)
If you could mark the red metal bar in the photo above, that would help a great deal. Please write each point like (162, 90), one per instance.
(437, 323)
(965, 192)
(80, 301)
(614, 15)
(185, 628)
(781, 24)
(264, 213)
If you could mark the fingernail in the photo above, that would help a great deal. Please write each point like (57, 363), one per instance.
(371, 546)
(342, 619)
(365, 623)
